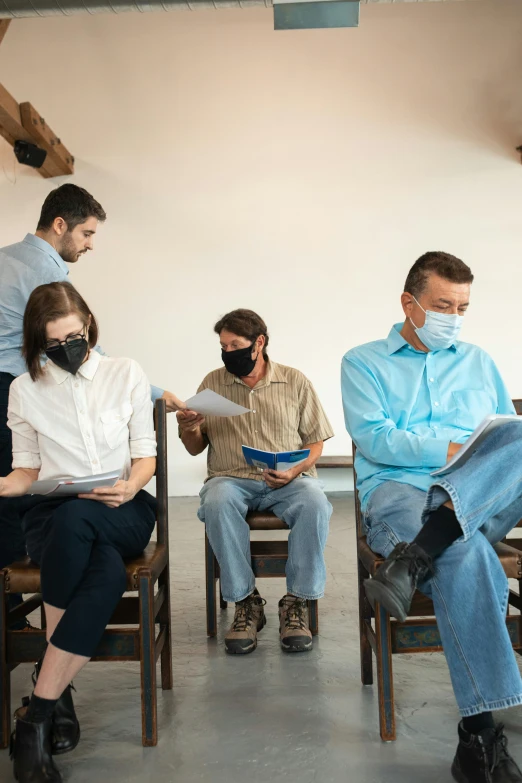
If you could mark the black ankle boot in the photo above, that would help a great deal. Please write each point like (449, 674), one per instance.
(396, 580)
(31, 752)
(65, 733)
(484, 758)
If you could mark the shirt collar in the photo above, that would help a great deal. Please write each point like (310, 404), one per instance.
(45, 247)
(274, 374)
(396, 341)
(87, 370)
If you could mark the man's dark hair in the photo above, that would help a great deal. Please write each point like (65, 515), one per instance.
(244, 323)
(71, 203)
(435, 262)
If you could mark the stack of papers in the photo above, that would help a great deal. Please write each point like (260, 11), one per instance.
(272, 460)
(66, 486)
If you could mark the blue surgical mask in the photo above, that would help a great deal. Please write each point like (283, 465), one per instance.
(440, 330)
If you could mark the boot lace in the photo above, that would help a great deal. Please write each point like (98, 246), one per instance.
(244, 616)
(295, 619)
(417, 561)
(497, 751)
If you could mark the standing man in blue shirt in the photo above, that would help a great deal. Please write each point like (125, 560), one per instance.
(65, 232)
(410, 402)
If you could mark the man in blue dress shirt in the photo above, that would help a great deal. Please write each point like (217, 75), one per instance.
(410, 402)
(65, 232)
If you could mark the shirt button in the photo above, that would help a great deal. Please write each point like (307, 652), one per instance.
(256, 431)
(437, 404)
(76, 385)
(253, 411)
(252, 391)
(95, 462)
(432, 380)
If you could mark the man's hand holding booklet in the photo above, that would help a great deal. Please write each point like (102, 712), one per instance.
(488, 425)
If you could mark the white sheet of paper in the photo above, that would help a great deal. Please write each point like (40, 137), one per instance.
(66, 486)
(475, 439)
(208, 403)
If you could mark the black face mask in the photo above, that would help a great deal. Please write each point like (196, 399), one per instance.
(239, 362)
(69, 356)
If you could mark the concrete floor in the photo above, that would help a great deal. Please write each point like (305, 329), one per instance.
(265, 717)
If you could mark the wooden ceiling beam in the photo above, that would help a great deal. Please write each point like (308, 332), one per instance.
(4, 25)
(46, 139)
(17, 123)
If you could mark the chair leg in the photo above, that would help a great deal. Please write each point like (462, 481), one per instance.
(365, 616)
(210, 582)
(5, 674)
(385, 674)
(149, 696)
(165, 619)
(222, 603)
(313, 616)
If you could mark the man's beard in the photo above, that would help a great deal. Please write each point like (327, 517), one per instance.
(68, 251)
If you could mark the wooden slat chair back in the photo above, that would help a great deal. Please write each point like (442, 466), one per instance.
(121, 641)
(384, 636)
(268, 560)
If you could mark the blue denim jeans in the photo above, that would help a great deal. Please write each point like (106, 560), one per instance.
(304, 507)
(469, 588)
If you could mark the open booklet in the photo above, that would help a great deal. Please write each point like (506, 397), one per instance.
(489, 424)
(271, 460)
(66, 486)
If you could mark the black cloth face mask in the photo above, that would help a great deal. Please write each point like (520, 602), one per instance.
(239, 362)
(69, 356)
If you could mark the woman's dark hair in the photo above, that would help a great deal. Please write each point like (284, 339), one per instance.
(71, 203)
(48, 303)
(244, 323)
(442, 264)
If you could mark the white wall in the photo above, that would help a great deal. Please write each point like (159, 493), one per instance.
(299, 174)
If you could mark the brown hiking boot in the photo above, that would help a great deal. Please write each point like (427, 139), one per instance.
(294, 629)
(249, 619)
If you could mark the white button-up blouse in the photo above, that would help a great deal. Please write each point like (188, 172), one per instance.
(79, 425)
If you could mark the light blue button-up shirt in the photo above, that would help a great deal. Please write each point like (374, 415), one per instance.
(23, 267)
(403, 407)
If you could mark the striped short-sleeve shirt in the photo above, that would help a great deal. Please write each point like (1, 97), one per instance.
(286, 415)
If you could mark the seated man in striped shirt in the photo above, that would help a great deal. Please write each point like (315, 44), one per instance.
(286, 415)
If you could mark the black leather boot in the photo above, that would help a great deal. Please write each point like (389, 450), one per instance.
(484, 758)
(65, 726)
(31, 751)
(396, 580)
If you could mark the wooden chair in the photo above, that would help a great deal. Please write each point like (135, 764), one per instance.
(384, 636)
(268, 560)
(122, 643)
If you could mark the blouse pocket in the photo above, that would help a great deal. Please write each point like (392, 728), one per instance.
(115, 424)
(471, 407)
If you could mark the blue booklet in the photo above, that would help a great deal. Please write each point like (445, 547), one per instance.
(271, 460)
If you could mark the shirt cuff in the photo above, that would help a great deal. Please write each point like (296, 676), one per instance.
(435, 453)
(156, 393)
(142, 448)
(27, 460)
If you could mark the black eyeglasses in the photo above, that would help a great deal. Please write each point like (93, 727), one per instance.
(72, 339)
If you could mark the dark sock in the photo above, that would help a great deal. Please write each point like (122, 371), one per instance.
(440, 530)
(39, 709)
(476, 723)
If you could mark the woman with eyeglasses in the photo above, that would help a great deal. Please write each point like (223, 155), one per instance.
(80, 414)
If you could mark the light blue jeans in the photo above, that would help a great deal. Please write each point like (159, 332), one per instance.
(469, 589)
(304, 507)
